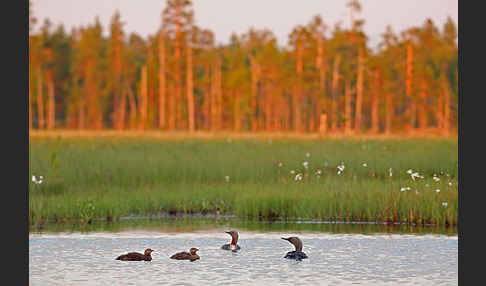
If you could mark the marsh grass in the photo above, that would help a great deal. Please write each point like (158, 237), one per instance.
(109, 177)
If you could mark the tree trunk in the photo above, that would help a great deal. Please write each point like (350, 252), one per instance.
(321, 100)
(422, 107)
(40, 101)
(51, 111)
(176, 112)
(162, 115)
(216, 102)
(359, 90)
(389, 113)
(237, 111)
(298, 91)
(447, 108)
(411, 110)
(81, 115)
(190, 92)
(268, 108)
(254, 93)
(439, 114)
(133, 108)
(122, 109)
(143, 99)
(375, 101)
(347, 107)
(335, 85)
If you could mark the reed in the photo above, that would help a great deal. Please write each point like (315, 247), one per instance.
(258, 177)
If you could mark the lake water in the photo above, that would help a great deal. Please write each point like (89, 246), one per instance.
(357, 255)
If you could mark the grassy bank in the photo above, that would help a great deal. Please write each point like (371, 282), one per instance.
(88, 177)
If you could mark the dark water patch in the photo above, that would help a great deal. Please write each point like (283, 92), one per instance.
(197, 223)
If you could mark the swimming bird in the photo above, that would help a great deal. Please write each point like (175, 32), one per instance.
(191, 255)
(234, 239)
(297, 254)
(135, 256)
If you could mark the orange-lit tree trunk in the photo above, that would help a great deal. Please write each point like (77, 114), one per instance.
(375, 101)
(347, 107)
(51, 107)
(335, 85)
(132, 117)
(162, 95)
(447, 110)
(389, 112)
(298, 90)
(411, 110)
(439, 114)
(40, 101)
(216, 102)
(359, 91)
(81, 115)
(207, 97)
(143, 99)
(255, 71)
(237, 111)
(190, 92)
(422, 118)
(268, 107)
(176, 113)
(321, 101)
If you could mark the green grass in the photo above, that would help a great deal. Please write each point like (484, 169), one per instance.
(87, 178)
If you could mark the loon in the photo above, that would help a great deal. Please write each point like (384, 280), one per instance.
(297, 254)
(135, 256)
(191, 255)
(234, 239)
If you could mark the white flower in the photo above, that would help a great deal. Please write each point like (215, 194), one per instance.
(292, 172)
(390, 171)
(444, 204)
(305, 164)
(38, 182)
(436, 179)
(307, 154)
(365, 165)
(298, 177)
(318, 172)
(227, 178)
(403, 189)
(437, 191)
(409, 171)
(416, 175)
(341, 167)
(450, 183)
(280, 164)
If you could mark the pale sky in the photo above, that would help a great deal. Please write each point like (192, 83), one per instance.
(226, 16)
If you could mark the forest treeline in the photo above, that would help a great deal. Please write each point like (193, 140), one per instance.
(327, 79)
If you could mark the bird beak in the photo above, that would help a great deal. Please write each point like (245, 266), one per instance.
(228, 232)
(285, 238)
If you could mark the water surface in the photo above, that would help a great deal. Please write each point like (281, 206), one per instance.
(80, 257)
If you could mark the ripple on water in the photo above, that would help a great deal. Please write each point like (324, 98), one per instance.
(334, 259)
